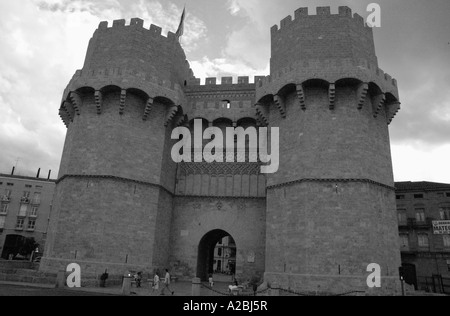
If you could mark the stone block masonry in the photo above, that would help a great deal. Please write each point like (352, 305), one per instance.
(122, 204)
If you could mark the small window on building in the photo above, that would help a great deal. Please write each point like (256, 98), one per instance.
(38, 187)
(23, 210)
(26, 194)
(226, 104)
(4, 209)
(8, 193)
(10, 184)
(404, 241)
(19, 224)
(31, 224)
(34, 211)
(418, 196)
(447, 194)
(402, 216)
(447, 241)
(423, 240)
(400, 197)
(448, 265)
(28, 186)
(2, 222)
(219, 252)
(420, 215)
(445, 213)
(37, 198)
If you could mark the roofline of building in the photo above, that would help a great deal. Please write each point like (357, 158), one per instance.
(8, 176)
(421, 186)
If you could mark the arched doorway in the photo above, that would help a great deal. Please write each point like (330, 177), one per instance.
(13, 245)
(216, 255)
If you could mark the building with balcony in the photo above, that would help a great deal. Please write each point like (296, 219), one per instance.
(225, 256)
(25, 208)
(424, 226)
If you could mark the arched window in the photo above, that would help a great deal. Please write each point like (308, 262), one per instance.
(420, 215)
(226, 104)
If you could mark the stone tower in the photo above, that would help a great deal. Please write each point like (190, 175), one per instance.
(113, 201)
(331, 206)
(121, 203)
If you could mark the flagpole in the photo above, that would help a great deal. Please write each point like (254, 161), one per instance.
(180, 30)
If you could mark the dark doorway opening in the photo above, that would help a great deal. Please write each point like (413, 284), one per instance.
(13, 245)
(409, 273)
(216, 254)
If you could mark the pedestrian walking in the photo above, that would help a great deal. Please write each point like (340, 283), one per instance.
(156, 281)
(211, 281)
(167, 284)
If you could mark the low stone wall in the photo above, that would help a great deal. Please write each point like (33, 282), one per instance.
(26, 276)
(18, 265)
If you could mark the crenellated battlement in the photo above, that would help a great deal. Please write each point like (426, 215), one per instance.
(126, 79)
(225, 81)
(131, 56)
(323, 36)
(330, 70)
(137, 24)
(303, 18)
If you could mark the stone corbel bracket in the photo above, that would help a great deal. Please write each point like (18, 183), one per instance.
(362, 91)
(392, 109)
(67, 108)
(98, 101)
(76, 101)
(301, 96)
(181, 120)
(262, 113)
(279, 102)
(123, 98)
(378, 103)
(148, 108)
(172, 112)
(332, 95)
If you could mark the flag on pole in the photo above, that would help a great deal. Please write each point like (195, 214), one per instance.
(180, 30)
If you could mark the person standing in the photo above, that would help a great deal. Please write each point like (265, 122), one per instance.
(167, 283)
(155, 283)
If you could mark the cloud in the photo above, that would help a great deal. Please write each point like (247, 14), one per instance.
(234, 7)
(412, 163)
(43, 43)
(221, 67)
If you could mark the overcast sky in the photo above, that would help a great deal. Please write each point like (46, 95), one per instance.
(45, 41)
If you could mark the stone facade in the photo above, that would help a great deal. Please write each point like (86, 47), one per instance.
(315, 225)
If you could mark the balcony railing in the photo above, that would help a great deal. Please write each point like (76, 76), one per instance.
(414, 223)
(405, 249)
(36, 202)
(5, 199)
(25, 200)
